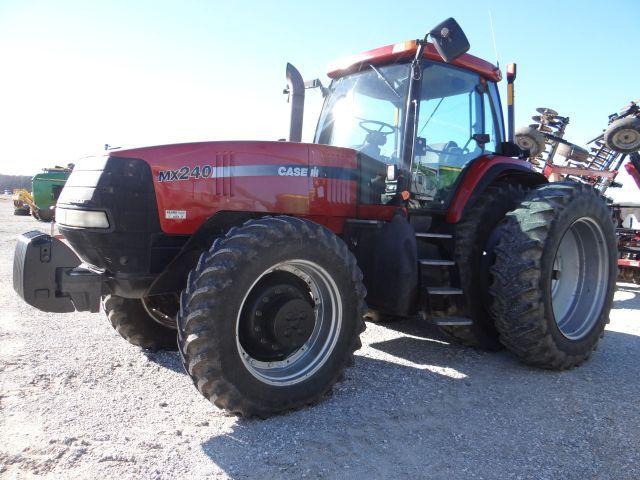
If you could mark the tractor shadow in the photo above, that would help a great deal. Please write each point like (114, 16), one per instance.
(627, 296)
(166, 359)
(416, 406)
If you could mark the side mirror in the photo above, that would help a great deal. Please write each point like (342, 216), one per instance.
(392, 173)
(511, 149)
(449, 40)
(420, 147)
(481, 138)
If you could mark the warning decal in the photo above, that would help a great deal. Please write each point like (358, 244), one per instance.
(175, 214)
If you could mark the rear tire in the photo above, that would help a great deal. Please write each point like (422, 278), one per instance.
(234, 316)
(130, 319)
(472, 236)
(555, 275)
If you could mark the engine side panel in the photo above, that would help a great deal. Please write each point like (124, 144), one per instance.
(194, 181)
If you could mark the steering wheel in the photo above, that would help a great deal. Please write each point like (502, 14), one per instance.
(381, 125)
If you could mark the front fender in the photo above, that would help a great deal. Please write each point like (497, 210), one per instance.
(174, 277)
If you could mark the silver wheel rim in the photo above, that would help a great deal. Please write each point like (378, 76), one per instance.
(579, 278)
(158, 315)
(311, 356)
(627, 138)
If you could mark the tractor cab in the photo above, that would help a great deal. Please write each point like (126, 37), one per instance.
(426, 120)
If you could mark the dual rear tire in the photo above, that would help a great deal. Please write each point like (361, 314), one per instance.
(474, 241)
(540, 281)
(554, 275)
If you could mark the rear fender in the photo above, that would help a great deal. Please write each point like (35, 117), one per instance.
(484, 172)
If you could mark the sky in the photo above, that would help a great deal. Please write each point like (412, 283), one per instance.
(78, 74)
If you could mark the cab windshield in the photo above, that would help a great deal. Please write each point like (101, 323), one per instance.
(365, 111)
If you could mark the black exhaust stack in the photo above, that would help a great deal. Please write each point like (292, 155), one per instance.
(295, 90)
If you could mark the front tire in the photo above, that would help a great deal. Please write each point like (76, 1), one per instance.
(271, 316)
(130, 319)
(555, 275)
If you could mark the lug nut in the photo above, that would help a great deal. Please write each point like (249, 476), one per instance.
(257, 329)
(258, 313)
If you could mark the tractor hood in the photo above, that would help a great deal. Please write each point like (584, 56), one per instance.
(193, 181)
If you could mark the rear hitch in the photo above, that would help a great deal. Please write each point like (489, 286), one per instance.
(49, 276)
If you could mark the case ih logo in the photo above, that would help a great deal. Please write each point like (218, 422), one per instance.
(298, 171)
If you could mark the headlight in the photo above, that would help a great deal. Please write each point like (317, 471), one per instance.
(81, 218)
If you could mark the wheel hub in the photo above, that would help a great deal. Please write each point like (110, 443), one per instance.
(279, 320)
(289, 322)
(293, 323)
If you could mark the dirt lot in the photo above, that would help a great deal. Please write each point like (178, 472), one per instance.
(78, 401)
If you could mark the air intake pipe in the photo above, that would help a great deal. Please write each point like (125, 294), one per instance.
(295, 90)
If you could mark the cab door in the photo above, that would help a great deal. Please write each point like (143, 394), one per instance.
(456, 123)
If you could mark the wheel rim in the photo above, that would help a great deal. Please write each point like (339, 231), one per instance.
(163, 309)
(294, 362)
(627, 138)
(579, 278)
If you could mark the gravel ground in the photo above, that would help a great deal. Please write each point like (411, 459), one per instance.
(78, 401)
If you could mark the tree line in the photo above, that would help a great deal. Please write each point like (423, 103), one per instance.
(9, 182)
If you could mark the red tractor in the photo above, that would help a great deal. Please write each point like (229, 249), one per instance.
(259, 256)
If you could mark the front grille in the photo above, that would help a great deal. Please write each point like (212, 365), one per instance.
(123, 188)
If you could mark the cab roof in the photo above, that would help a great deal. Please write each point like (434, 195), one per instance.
(397, 52)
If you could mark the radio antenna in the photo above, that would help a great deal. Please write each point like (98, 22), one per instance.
(493, 37)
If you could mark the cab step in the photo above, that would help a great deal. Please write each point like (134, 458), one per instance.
(437, 262)
(444, 291)
(433, 235)
(452, 321)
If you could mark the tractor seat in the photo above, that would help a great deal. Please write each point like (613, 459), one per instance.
(372, 143)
